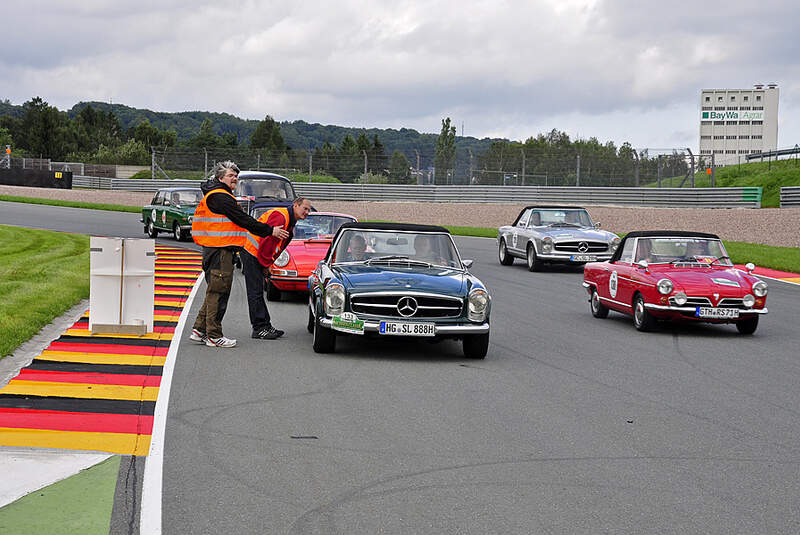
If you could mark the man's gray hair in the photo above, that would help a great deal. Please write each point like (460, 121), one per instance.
(222, 167)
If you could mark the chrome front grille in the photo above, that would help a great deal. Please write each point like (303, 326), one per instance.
(412, 305)
(575, 246)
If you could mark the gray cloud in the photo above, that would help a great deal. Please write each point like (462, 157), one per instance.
(615, 70)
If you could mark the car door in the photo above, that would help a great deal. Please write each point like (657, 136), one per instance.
(614, 282)
(519, 235)
(157, 209)
(626, 274)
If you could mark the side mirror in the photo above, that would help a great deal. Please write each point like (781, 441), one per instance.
(467, 263)
(597, 224)
(642, 264)
(750, 267)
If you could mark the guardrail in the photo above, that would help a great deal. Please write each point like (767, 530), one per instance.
(749, 197)
(790, 196)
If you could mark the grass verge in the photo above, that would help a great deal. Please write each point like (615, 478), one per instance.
(42, 275)
(73, 204)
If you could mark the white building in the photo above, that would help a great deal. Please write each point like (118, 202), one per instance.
(737, 122)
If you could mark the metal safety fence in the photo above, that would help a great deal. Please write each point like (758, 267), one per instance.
(748, 197)
(790, 196)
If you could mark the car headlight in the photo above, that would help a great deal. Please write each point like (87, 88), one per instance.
(334, 299)
(614, 243)
(680, 299)
(664, 286)
(547, 244)
(477, 305)
(748, 300)
(760, 289)
(282, 259)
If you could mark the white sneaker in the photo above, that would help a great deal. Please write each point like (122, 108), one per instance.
(220, 342)
(198, 336)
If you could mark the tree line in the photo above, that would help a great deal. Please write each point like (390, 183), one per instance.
(117, 134)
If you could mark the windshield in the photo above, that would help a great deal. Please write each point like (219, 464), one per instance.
(557, 218)
(320, 226)
(375, 246)
(674, 250)
(186, 197)
(264, 187)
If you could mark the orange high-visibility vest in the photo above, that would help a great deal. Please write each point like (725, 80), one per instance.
(253, 241)
(215, 230)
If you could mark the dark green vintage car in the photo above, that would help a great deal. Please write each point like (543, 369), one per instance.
(171, 210)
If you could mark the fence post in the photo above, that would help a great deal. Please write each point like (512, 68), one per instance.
(469, 179)
(713, 171)
(310, 168)
(365, 165)
(152, 163)
(636, 168)
(205, 163)
(523, 165)
(691, 155)
(419, 177)
(578, 171)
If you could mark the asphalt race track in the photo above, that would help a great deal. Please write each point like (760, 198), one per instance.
(571, 425)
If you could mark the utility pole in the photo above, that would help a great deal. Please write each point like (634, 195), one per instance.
(578, 171)
(523, 165)
(713, 170)
(419, 177)
(365, 165)
(469, 179)
(153, 163)
(310, 163)
(691, 155)
(636, 167)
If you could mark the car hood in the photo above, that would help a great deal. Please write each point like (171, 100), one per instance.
(364, 278)
(728, 281)
(308, 250)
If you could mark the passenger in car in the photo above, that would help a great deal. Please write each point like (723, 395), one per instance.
(536, 219)
(358, 248)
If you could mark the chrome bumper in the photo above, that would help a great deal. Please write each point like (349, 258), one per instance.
(653, 306)
(447, 330)
(565, 257)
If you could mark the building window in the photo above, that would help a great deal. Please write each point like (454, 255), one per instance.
(734, 108)
(719, 122)
(708, 99)
(730, 152)
(717, 152)
(744, 107)
(758, 122)
(719, 137)
(758, 98)
(730, 122)
(755, 137)
(744, 137)
(719, 99)
(744, 122)
(705, 137)
(758, 107)
(742, 152)
(719, 108)
(733, 98)
(730, 137)
(707, 108)
(746, 98)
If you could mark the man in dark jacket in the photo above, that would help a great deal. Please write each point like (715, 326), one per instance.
(221, 227)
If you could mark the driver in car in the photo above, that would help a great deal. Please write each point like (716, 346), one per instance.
(358, 248)
(425, 250)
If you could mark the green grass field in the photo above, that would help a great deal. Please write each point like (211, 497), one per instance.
(42, 275)
(770, 176)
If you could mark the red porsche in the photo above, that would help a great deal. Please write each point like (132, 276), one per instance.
(312, 238)
(675, 275)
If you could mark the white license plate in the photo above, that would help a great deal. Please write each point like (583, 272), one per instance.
(583, 258)
(397, 328)
(716, 313)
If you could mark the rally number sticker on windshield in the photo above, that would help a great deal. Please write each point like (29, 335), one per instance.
(612, 284)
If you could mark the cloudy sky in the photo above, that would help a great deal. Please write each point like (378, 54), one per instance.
(616, 70)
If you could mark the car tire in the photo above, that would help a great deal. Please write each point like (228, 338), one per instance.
(273, 293)
(476, 345)
(502, 252)
(324, 338)
(534, 264)
(642, 319)
(596, 306)
(747, 326)
(150, 229)
(177, 233)
(310, 324)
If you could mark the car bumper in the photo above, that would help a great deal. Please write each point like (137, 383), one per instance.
(441, 329)
(692, 309)
(567, 258)
(289, 283)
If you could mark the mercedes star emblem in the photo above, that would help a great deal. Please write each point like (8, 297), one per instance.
(583, 247)
(407, 306)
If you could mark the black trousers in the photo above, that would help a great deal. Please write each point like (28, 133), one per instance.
(254, 283)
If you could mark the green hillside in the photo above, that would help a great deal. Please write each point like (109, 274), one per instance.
(771, 176)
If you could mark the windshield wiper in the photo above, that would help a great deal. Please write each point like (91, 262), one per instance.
(718, 258)
(387, 258)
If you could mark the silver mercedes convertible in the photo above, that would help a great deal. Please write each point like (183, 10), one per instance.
(554, 234)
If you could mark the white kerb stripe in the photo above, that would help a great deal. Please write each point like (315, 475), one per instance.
(150, 513)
